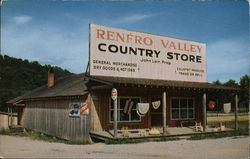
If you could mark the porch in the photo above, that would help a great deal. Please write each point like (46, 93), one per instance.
(180, 132)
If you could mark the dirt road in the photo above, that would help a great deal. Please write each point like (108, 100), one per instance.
(229, 148)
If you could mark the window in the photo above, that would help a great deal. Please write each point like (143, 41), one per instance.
(182, 108)
(123, 116)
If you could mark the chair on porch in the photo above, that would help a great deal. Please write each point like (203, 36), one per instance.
(198, 127)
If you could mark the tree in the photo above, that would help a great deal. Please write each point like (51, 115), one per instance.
(244, 95)
(231, 83)
(18, 76)
(217, 82)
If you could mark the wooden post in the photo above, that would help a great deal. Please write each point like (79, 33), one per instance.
(217, 104)
(8, 116)
(236, 112)
(115, 118)
(114, 98)
(204, 101)
(164, 106)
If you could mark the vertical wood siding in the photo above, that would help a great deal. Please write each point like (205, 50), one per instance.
(52, 117)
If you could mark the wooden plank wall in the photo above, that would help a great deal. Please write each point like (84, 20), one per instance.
(52, 117)
(95, 113)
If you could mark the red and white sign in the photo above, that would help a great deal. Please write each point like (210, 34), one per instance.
(124, 53)
(84, 109)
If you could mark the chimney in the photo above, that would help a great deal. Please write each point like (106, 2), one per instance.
(51, 81)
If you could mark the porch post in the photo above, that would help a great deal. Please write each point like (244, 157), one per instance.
(115, 118)
(164, 107)
(236, 112)
(8, 116)
(204, 101)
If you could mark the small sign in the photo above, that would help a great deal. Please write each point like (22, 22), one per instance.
(114, 94)
(84, 109)
(211, 104)
(74, 109)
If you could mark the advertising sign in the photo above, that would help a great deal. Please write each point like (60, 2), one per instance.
(74, 109)
(77, 109)
(84, 109)
(124, 53)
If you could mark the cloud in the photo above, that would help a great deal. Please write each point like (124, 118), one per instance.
(132, 18)
(226, 59)
(22, 19)
(48, 45)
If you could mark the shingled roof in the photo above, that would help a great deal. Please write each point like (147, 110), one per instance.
(73, 85)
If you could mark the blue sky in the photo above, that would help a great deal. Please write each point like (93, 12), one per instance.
(56, 32)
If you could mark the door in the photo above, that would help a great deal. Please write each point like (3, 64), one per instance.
(156, 112)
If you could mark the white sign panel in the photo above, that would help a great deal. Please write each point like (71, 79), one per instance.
(123, 53)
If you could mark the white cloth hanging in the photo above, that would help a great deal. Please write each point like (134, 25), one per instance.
(227, 107)
(156, 104)
(142, 108)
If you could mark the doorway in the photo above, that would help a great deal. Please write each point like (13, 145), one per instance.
(156, 112)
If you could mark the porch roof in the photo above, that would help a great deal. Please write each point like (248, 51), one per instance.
(160, 83)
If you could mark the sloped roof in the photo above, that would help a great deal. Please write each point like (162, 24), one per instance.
(73, 85)
(76, 85)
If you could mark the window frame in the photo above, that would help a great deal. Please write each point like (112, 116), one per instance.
(119, 109)
(179, 108)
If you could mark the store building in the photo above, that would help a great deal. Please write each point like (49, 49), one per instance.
(166, 76)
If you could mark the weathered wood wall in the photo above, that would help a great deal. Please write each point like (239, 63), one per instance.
(52, 117)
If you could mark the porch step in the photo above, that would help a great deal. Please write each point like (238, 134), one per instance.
(102, 135)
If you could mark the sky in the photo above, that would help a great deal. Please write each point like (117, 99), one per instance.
(56, 32)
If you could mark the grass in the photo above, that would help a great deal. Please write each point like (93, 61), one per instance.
(243, 125)
(135, 141)
(219, 135)
(35, 135)
(243, 130)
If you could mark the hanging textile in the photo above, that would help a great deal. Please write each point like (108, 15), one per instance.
(142, 109)
(156, 104)
(227, 107)
(126, 107)
(130, 106)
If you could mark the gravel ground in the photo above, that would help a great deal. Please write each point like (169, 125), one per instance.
(228, 148)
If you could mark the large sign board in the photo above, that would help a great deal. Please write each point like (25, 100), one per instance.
(124, 53)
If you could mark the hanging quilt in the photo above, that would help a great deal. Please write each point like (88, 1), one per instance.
(142, 109)
(227, 107)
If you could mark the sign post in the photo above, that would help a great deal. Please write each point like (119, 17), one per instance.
(114, 98)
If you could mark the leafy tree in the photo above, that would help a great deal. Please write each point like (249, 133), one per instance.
(217, 82)
(244, 95)
(231, 83)
(18, 76)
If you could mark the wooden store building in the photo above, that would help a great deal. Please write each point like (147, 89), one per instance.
(160, 83)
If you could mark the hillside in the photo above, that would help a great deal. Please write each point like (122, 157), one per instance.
(18, 76)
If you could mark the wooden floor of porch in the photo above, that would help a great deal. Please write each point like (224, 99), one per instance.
(134, 133)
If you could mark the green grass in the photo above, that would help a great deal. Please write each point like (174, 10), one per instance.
(135, 141)
(219, 135)
(35, 135)
(230, 124)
